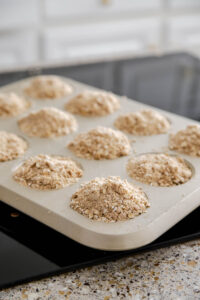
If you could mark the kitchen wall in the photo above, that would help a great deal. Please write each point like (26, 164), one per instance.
(50, 31)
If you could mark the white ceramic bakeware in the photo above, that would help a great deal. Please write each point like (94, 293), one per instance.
(168, 204)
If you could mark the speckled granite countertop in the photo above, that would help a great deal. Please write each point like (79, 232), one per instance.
(168, 273)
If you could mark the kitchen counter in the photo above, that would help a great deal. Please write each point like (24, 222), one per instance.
(167, 273)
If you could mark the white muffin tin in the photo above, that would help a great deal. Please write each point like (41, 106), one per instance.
(168, 204)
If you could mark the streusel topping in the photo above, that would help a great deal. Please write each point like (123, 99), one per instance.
(48, 122)
(93, 104)
(186, 141)
(47, 87)
(109, 200)
(145, 122)
(48, 172)
(12, 105)
(11, 146)
(100, 143)
(159, 169)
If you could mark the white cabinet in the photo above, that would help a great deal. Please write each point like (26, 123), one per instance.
(177, 4)
(184, 31)
(18, 48)
(93, 8)
(99, 39)
(74, 30)
(18, 13)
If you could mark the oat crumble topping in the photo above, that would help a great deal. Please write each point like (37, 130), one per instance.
(109, 200)
(11, 146)
(47, 87)
(93, 104)
(145, 122)
(48, 122)
(159, 169)
(48, 172)
(100, 143)
(186, 141)
(12, 105)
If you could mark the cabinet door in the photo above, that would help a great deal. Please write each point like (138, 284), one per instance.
(194, 107)
(99, 75)
(178, 4)
(157, 82)
(94, 40)
(183, 32)
(18, 13)
(18, 48)
(96, 8)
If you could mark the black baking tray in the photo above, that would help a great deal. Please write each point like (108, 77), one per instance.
(30, 250)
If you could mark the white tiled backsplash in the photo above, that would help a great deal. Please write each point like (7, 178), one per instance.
(50, 31)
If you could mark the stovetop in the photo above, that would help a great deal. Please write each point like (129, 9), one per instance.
(27, 249)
